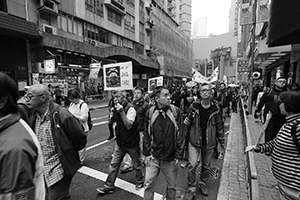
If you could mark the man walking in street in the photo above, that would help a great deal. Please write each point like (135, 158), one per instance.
(205, 128)
(21, 159)
(141, 107)
(127, 141)
(163, 144)
(46, 120)
(271, 100)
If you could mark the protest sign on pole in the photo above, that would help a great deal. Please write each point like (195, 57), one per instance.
(118, 76)
(155, 82)
(94, 70)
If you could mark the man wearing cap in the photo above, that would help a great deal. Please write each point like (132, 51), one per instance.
(271, 101)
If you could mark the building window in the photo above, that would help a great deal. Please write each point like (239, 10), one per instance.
(114, 17)
(45, 18)
(3, 6)
(95, 6)
(69, 24)
(130, 21)
(131, 3)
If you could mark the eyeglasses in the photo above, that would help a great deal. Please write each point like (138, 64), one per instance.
(28, 97)
(205, 90)
(283, 81)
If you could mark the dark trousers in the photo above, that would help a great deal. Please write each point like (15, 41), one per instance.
(116, 161)
(59, 191)
(273, 128)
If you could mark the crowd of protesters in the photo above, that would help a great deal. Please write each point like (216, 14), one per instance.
(42, 144)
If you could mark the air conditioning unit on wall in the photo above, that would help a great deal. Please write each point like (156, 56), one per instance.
(148, 48)
(49, 29)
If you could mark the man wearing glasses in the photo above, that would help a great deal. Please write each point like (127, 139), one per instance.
(39, 98)
(205, 128)
(271, 100)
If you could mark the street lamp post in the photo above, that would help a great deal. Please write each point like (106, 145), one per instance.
(252, 56)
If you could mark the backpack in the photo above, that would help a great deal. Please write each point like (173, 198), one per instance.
(293, 133)
(89, 121)
(173, 115)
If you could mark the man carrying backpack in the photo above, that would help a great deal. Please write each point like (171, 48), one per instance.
(163, 143)
(61, 137)
(271, 101)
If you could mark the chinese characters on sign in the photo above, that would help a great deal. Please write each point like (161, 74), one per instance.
(118, 76)
(49, 66)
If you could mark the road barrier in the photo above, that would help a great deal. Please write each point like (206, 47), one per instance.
(252, 170)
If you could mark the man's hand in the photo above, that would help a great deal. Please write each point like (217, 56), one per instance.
(119, 108)
(256, 114)
(148, 160)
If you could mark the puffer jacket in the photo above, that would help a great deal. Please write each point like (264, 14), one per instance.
(215, 126)
(21, 160)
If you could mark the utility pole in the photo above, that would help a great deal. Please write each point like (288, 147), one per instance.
(252, 56)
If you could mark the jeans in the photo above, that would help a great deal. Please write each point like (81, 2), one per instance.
(116, 161)
(59, 191)
(127, 160)
(201, 156)
(170, 171)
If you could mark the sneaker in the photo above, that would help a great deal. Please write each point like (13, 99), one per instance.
(139, 186)
(204, 190)
(105, 190)
(126, 169)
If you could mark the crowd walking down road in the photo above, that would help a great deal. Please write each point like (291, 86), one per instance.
(169, 144)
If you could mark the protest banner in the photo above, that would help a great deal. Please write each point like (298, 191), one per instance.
(118, 76)
(155, 82)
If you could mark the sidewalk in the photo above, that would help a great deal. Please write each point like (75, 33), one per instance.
(234, 184)
(266, 181)
(97, 103)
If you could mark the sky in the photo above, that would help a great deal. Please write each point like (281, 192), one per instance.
(217, 13)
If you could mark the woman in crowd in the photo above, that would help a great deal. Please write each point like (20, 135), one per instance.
(81, 111)
(285, 148)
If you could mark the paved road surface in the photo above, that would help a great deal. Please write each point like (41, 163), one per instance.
(95, 169)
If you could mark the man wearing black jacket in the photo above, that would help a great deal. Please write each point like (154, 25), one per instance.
(271, 101)
(127, 141)
(163, 143)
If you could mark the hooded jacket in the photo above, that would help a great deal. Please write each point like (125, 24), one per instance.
(21, 160)
(214, 130)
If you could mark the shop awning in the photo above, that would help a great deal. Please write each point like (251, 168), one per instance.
(14, 26)
(284, 23)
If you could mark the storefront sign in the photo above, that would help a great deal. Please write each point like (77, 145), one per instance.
(263, 11)
(242, 65)
(155, 82)
(94, 70)
(118, 76)
(246, 12)
(35, 78)
(49, 66)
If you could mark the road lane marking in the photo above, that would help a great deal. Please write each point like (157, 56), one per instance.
(124, 185)
(97, 118)
(100, 123)
(96, 145)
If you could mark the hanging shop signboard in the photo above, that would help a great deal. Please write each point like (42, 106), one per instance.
(94, 70)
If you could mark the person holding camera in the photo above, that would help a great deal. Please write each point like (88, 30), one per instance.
(127, 141)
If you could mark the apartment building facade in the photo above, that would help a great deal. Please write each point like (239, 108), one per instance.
(73, 34)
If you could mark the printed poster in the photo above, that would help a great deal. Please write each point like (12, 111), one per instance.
(118, 76)
(155, 82)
